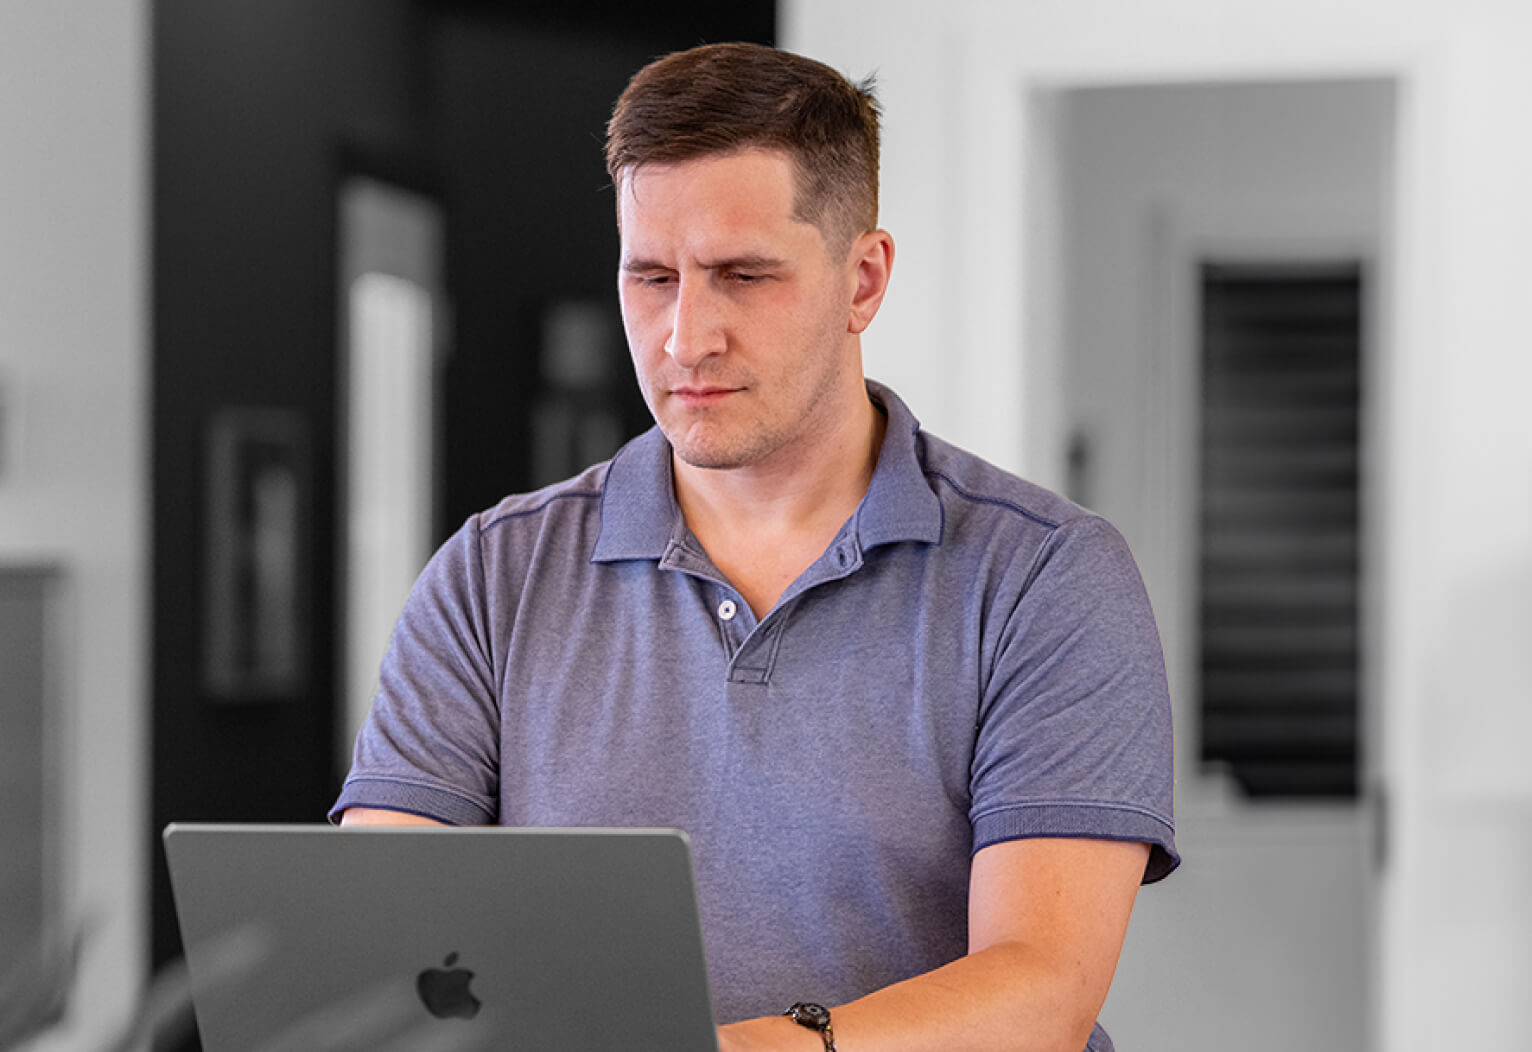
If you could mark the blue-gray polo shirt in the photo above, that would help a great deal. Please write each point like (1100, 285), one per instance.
(972, 659)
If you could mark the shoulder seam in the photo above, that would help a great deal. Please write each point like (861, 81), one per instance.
(524, 512)
(999, 502)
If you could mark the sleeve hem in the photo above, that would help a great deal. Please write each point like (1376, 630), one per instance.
(388, 794)
(1087, 822)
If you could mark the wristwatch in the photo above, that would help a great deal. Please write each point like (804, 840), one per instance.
(815, 1017)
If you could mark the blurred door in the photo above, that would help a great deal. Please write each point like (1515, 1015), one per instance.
(392, 314)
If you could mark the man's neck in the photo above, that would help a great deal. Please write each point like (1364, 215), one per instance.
(763, 525)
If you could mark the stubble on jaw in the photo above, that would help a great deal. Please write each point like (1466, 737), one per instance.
(723, 444)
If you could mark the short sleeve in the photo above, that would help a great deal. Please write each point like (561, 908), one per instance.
(430, 743)
(1075, 733)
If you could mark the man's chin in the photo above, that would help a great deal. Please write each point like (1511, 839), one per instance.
(708, 459)
(711, 452)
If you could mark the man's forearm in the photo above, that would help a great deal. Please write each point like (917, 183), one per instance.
(1008, 997)
(1047, 918)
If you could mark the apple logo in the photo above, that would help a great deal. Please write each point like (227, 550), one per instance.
(444, 991)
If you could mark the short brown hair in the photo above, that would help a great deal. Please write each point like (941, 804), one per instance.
(725, 97)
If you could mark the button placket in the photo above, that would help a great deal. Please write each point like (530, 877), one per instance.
(733, 627)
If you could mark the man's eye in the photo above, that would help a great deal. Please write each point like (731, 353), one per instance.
(743, 278)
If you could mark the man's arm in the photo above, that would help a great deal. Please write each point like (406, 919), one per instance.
(1047, 919)
(373, 816)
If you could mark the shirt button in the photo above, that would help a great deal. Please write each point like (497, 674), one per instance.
(727, 610)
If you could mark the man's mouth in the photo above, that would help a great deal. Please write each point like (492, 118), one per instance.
(701, 395)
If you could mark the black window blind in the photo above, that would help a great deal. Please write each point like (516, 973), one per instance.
(1279, 563)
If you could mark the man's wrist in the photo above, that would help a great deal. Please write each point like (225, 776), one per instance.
(815, 1017)
(768, 1034)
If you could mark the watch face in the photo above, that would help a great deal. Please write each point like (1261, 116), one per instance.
(813, 1016)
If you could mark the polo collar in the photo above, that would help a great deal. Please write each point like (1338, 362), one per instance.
(638, 501)
(640, 517)
(900, 504)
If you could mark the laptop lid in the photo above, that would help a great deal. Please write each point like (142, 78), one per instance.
(310, 938)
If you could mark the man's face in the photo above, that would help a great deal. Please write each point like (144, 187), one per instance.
(737, 317)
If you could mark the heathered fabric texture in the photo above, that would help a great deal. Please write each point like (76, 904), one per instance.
(972, 660)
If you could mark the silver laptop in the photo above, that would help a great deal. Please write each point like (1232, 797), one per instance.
(313, 939)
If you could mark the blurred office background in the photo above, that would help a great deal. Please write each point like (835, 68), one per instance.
(287, 289)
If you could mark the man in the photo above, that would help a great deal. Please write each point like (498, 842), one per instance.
(910, 709)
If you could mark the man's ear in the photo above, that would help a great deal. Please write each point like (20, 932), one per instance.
(872, 255)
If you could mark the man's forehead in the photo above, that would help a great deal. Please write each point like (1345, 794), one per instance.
(740, 204)
(753, 173)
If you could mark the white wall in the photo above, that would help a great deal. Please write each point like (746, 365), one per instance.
(74, 480)
(968, 327)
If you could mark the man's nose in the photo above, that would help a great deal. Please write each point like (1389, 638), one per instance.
(695, 329)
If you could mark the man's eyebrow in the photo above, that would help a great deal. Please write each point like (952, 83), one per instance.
(636, 264)
(748, 261)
